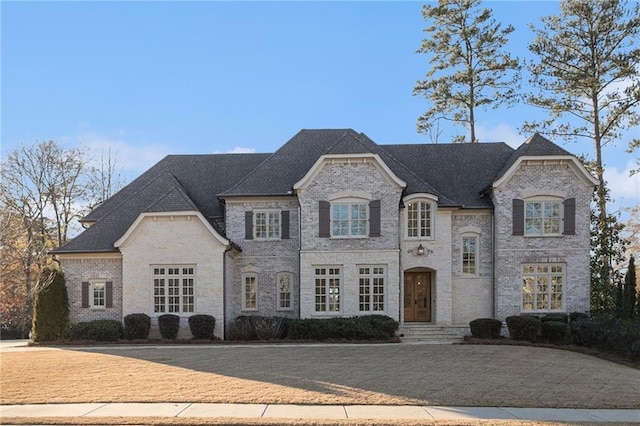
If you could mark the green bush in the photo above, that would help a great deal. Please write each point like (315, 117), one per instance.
(523, 327)
(169, 325)
(137, 326)
(555, 331)
(51, 308)
(559, 317)
(99, 330)
(257, 327)
(370, 327)
(485, 328)
(577, 316)
(202, 326)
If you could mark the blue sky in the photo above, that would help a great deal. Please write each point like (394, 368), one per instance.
(155, 78)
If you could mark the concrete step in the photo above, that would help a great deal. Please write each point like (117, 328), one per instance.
(428, 333)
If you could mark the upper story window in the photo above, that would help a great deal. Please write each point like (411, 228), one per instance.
(544, 216)
(349, 220)
(267, 225)
(419, 219)
(470, 255)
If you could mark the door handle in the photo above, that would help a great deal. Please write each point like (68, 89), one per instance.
(415, 302)
(425, 302)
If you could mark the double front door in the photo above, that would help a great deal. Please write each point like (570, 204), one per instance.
(417, 296)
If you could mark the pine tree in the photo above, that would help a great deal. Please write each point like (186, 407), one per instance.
(629, 297)
(468, 69)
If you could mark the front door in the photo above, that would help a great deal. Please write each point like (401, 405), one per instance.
(417, 297)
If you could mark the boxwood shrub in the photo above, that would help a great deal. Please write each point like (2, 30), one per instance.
(485, 328)
(99, 330)
(523, 327)
(256, 327)
(169, 325)
(555, 331)
(202, 326)
(137, 326)
(368, 327)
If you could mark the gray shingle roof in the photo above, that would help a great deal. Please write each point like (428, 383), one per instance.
(456, 173)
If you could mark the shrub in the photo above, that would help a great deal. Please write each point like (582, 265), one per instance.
(577, 316)
(559, 317)
(100, 330)
(257, 327)
(523, 327)
(202, 326)
(137, 326)
(555, 331)
(369, 327)
(51, 308)
(485, 328)
(169, 325)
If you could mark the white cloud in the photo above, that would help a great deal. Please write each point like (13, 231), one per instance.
(625, 189)
(500, 133)
(131, 158)
(241, 150)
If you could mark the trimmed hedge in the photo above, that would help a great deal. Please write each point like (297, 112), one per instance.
(559, 317)
(369, 327)
(169, 325)
(202, 326)
(555, 331)
(609, 334)
(256, 327)
(485, 328)
(100, 330)
(523, 327)
(137, 326)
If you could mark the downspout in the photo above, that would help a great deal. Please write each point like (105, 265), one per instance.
(493, 264)
(299, 292)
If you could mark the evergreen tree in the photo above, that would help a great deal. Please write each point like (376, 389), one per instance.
(51, 308)
(629, 298)
(468, 69)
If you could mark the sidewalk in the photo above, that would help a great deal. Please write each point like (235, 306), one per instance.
(358, 412)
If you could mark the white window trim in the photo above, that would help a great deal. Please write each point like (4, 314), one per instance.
(340, 290)
(181, 294)
(544, 199)
(244, 292)
(477, 255)
(279, 276)
(371, 275)
(349, 202)
(255, 225)
(433, 208)
(564, 288)
(92, 284)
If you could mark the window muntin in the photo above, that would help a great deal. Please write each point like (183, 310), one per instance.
(419, 219)
(98, 294)
(542, 287)
(371, 288)
(349, 220)
(542, 217)
(267, 225)
(327, 289)
(173, 289)
(284, 283)
(470, 255)
(250, 292)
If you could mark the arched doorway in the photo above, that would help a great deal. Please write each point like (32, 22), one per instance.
(418, 290)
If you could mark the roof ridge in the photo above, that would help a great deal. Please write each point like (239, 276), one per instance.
(176, 186)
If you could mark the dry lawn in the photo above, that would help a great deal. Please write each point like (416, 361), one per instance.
(454, 375)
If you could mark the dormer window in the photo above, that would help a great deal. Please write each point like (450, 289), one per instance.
(419, 219)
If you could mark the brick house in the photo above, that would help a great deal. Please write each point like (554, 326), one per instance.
(333, 224)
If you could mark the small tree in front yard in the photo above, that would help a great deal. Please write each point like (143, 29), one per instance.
(629, 297)
(51, 308)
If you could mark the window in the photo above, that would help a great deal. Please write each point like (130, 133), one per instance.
(371, 288)
(469, 255)
(267, 226)
(327, 289)
(173, 289)
(419, 219)
(99, 295)
(542, 287)
(349, 220)
(250, 292)
(283, 282)
(542, 217)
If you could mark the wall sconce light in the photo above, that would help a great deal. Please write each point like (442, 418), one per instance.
(420, 251)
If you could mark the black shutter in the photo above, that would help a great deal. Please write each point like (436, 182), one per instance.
(248, 225)
(85, 294)
(374, 218)
(324, 225)
(108, 294)
(569, 216)
(518, 217)
(284, 218)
